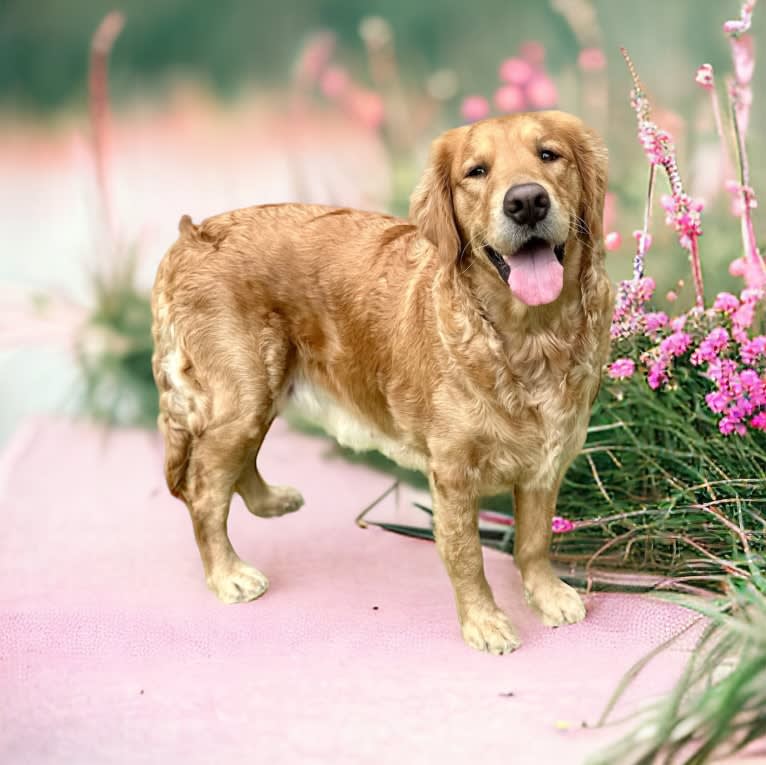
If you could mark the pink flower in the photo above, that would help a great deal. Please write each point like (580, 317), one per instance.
(751, 383)
(725, 302)
(509, 98)
(738, 266)
(744, 315)
(334, 82)
(591, 59)
(743, 57)
(671, 296)
(727, 426)
(678, 323)
(644, 240)
(533, 51)
(542, 92)
(516, 71)
(676, 344)
(656, 321)
(366, 106)
(620, 369)
(711, 346)
(658, 375)
(717, 401)
(704, 76)
(613, 241)
(751, 350)
(561, 525)
(759, 421)
(474, 108)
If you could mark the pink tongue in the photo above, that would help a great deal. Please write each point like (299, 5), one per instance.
(536, 275)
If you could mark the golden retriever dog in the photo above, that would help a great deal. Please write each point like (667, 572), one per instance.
(467, 342)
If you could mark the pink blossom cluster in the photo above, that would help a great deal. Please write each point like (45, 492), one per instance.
(716, 343)
(316, 69)
(682, 212)
(524, 84)
(629, 316)
(559, 525)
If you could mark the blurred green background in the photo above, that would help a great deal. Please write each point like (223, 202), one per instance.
(231, 43)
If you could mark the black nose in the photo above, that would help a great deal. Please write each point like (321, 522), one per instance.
(526, 203)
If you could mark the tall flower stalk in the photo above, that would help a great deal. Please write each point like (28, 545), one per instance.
(682, 212)
(752, 266)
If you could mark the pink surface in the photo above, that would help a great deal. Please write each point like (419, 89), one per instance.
(112, 649)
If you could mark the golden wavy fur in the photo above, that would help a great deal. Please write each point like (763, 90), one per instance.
(402, 336)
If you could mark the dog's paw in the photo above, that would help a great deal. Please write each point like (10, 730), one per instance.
(238, 584)
(279, 501)
(556, 603)
(490, 631)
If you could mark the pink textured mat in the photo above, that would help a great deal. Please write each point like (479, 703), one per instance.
(113, 651)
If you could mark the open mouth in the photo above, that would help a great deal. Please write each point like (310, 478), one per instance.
(535, 272)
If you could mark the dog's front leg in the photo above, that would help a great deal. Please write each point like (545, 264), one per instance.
(556, 602)
(456, 530)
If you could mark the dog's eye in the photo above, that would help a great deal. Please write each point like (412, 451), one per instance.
(546, 155)
(477, 172)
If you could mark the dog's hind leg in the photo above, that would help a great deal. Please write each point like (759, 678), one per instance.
(271, 376)
(260, 498)
(215, 460)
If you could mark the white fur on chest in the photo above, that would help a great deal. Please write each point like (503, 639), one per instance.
(349, 429)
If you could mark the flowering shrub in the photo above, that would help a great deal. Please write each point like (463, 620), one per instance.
(720, 345)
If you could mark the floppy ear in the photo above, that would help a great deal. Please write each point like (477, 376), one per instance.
(592, 164)
(431, 207)
(597, 293)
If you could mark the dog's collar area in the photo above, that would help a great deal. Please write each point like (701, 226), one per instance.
(497, 260)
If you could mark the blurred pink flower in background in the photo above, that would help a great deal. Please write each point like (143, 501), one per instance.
(334, 82)
(743, 56)
(591, 60)
(474, 108)
(314, 57)
(516, 71)
(366, 106)
(533, 51)
(704, 76)
(509, 98)
(542, 92)
(613, 241)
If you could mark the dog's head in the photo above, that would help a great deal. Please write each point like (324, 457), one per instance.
(520, 197)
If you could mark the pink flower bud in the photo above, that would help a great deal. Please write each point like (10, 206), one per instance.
(534, 52)
(516, 71)
(366, 106)
(542, 92)
(474, 108)
(613, 241)
(334, 82)
(509, 98)
(704, 76)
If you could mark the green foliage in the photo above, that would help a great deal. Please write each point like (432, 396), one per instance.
(719, 705)
(115, 353)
